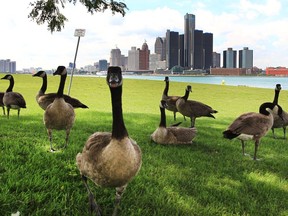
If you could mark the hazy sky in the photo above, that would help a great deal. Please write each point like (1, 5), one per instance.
(261, 25)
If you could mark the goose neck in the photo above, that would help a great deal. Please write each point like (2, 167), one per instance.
(61, 85)
(11, 85)
(163, 117)
(165, 92)
(185, 97)
(44, 84)
(276, 96)
(118, 127)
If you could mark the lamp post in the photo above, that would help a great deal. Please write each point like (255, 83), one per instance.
(78, 33)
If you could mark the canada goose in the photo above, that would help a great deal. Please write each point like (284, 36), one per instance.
(59, 115)
(45, 99)
(1, 102)
(252, 125)
(193, 109)
(12, 100)
(110, 159)
(279, 122)
(171, 135)
(170, 100)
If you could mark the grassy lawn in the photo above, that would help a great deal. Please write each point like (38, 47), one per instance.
(209, 177)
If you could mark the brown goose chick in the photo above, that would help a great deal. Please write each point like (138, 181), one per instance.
(12, 100)
(193, 109)
(59, 115)
(172, 135)
(44, 100)
(110, 159)
(252, 125)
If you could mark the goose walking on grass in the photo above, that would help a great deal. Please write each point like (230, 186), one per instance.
(110, 159)
(171, 135)
(59, 115)
(170, 100)
(252, 125)
(45, 99)
(12, 100)
(193, 109)
(1, 102)
(279, 122)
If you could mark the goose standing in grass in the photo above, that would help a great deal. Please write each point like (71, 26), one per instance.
(193, 109)
(170, 100)
(252, 125)
(45, 99)
(59, 115)
(1, 102)
(279, 122)
(110, 159)
(12, 100)
(171, 135)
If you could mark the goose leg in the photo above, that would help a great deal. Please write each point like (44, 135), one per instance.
(18, 113)
(192, 121)
(119, 193)
(284, 131)
(4, 110)
(49, 131)
(243, 148)
(174, 114)
(67, 138)
(93, 205)
(273, 133)
(256, 148)
(8, 112)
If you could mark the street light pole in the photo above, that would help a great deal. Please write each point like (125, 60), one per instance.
(78, 33)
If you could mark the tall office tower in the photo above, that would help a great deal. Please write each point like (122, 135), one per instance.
(245, 58)
(144, 57)
(216, 59)
(229, 58)
(115, 57)
(172, 48)
(133, 59)
(198, 49)
(103, 65)
(160, 47)
(181, 50)
(208, 50)
(189, 27)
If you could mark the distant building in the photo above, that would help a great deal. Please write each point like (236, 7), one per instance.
(103, 65)
(116, 57)
(7, 66)
(198, 50)
(245, 58)
(172, 48)
(181, 50)
(144, 57)
(189, 27)
(216, 59)
(229, 58)
(228, 71)
(277, 71)
(208, 50)
(160, 47)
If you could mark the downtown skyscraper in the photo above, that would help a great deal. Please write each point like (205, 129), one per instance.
(189, 28)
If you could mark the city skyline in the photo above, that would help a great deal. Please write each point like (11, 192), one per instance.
(258, 25)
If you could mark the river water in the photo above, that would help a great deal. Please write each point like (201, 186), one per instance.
(250, 81)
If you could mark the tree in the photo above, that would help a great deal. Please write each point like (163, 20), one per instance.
(48, 10)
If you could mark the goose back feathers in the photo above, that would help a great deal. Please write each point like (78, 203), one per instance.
(59, 115)
(252, 125)
(193, 109)
(110, 159)
(171, 135)
(45, 99)
(12, 100)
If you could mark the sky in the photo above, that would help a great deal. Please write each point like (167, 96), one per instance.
(260, 25)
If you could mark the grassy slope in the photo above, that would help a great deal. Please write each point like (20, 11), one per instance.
(210, 177)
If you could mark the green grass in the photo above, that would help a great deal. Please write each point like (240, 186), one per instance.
(210, 177)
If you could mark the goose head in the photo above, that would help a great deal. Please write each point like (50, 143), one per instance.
(163, 104)
(39, 74)
(7, 77)
(61, 70)
(166, 79)
(278, 87)
(114, 77)
(189, 88)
